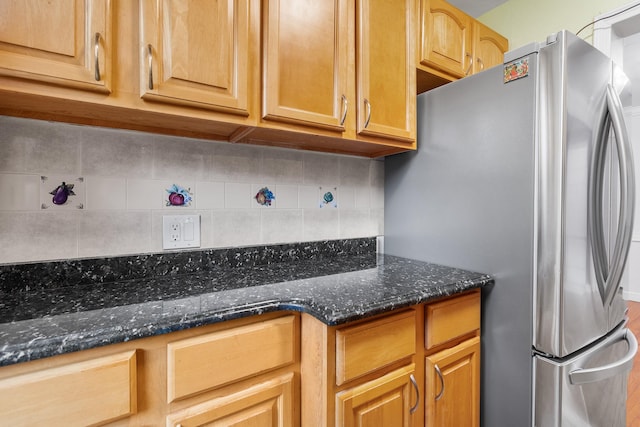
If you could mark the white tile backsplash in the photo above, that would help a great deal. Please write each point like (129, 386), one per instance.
(19, 192)
(144, 194)
(237, 196)
(106, 193)
(126, 175)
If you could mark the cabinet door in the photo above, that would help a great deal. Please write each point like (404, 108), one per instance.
(446, 38)
(64, 42)
(268, 404)
(453, 386)
(386, 69)
(489, 47)
(197, 53)
(384, 402)
(306, 62)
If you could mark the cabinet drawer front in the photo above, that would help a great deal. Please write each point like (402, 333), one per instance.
(208, 361)
(79, 394)
(367, 347)
(268, 404)
(452, 318)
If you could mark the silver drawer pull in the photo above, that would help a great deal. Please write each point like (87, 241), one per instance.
(96, 53)
(441, 382)
(414, 408)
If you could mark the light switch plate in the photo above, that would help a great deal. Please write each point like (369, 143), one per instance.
(180, 231)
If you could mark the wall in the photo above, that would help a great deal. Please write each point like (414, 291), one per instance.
(121, 178)
(525, 21)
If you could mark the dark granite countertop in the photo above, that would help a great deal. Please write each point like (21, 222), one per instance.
(56, 315)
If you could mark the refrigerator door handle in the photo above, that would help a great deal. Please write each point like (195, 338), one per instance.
(585, 376)
(608, 280)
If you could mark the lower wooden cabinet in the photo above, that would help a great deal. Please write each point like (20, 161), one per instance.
(387, 401)
(268, 404)
(411, 367)
(452, 388)
(90, 392)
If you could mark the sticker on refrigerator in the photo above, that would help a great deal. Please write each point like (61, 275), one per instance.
(515, 70)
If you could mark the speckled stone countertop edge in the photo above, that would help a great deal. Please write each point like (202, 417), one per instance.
(336, 292)
(78, 341)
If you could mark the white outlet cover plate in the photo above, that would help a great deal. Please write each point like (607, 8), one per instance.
(180, 231)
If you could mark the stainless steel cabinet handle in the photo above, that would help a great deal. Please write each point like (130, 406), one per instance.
(468, 55)
(441, 382)
(345, 106)
(591, 375)
(368, 105)
(414, 408)
(481, 64)
(150, 58)
(96, 53)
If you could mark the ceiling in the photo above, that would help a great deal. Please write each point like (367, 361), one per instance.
(476, 8)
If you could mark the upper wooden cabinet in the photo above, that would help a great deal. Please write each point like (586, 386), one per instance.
(66, 43)
(446, 39)
(306, 62)
(452, 45)
(197, 53)
(385, 69)
(313, 76)
(489, 47)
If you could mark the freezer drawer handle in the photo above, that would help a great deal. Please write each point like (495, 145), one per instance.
(601, 373)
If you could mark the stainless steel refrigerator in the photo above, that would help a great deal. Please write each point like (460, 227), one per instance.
(525, 172)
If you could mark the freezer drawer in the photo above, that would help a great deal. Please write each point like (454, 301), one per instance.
(588, 389)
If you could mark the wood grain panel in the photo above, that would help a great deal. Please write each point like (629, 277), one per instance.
(54, 42)
(489, 47)
(452, 318)
(306, 54)
(268, 404)
(78, 394)
(208, 361)
(367, 347)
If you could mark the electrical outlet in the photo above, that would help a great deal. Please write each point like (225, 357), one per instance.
(180, 231)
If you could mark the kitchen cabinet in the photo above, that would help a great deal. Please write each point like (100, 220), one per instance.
(89, 392)
(384, 401)
(376, 370)
(452, 386)
(452, 373)
(306, 62)
(489, 47)
(267, 404)
(64, 43)
(281, 73)
(198, 54)
(368, 95)
(385, 79)
(446, 39)
(360, 374)
(452, 45)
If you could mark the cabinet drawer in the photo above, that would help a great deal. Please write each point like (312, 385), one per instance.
(79, 394)
(369, 346)
(451, 319)
(208, 361)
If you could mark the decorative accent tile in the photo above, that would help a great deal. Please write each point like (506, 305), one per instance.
(178, 196)
(264, 197)
(328, 197)
(62, 192)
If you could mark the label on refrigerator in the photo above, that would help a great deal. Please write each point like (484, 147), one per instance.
(517, 69)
